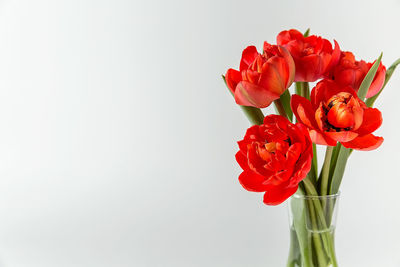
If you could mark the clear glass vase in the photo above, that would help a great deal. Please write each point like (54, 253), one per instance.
(312, 230)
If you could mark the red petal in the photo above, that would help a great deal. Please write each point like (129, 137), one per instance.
(325, 89)
(308, 68)
(293, 154)
(286, 36)
(279, 179)
(248, 94)
(278, 195)
(257, 164)
(242, 160)
(326, 59)
(344, 136)
(341, 116)
(365, 143)
(232, 78)
(303, 111)
(321, 139)
(252, 134)
(295, 47)
(372, 120)
(358, 113)
(252, 181)
(378, 82)
(274, 77)
(299, 133)
(320, 117)
(303, 167)
(335, 56)
(248, 56)
(318, 93)
(346, 77)
(276, 119)
(291, 68)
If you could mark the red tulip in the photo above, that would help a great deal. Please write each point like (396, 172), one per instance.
(336, 114)
(275, 157)
(261, 78)
(351, 72)
(313, 55)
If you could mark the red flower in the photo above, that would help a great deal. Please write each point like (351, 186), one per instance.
(351, 72)
(336, 114)
(313, 55)
(275, 157)
(261, 78)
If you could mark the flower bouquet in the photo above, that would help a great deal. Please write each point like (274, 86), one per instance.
(278, 153)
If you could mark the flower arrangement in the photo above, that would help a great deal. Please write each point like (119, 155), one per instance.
(278, 153)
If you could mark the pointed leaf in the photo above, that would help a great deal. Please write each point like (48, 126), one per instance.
(340, 166)
(362, 91)
(307, 32)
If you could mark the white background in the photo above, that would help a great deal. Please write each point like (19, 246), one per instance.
(117, 135)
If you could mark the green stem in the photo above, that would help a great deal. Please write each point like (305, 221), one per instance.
(325, 170)
(315, 160)
(306, 90)
(280, 108)
(303, 89)
(317, 241)
(299, 89)
(313, 174)
(327, 238)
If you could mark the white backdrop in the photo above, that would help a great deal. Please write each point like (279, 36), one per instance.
(117, 135)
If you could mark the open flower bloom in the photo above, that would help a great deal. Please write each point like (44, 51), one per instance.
(336, 114)
(275, 157)
(261, 78)
(351, 72)
(313, 55)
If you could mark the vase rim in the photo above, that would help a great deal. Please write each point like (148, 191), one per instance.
(314, 197)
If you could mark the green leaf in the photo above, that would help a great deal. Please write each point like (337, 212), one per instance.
(307, 32)
(362, 91)
(370, 101)
(340, 166)
(285, 100)
(254, 115)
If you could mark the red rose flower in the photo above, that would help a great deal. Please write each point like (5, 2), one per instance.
(351, 72)
(261, 78)
(336, 114)
(313, 55)
(275, 157)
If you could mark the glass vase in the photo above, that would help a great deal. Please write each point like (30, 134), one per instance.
(312, 230)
